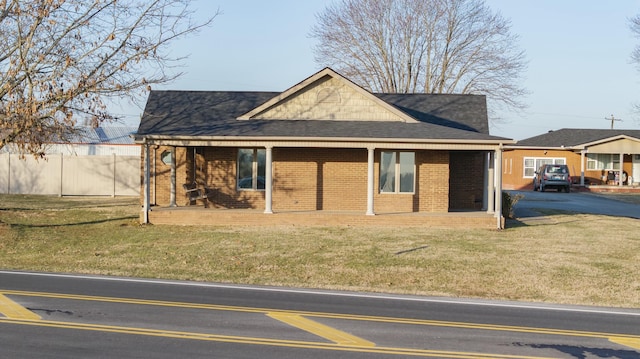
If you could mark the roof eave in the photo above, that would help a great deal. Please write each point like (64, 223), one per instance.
(514, 146)
(609, 139)
(497, 141)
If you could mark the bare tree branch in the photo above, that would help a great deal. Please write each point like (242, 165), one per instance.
(61, 60)
(431, 46)
(634, 25)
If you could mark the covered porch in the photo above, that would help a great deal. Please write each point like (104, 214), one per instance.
(484, 211)
(610, 163)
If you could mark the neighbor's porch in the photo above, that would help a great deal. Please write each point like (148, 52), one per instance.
(199, 215)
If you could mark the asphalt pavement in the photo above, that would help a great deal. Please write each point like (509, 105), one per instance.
(528, 207)
(47, 315)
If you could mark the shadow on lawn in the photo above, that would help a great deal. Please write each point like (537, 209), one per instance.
(59, 208)
(19, 225)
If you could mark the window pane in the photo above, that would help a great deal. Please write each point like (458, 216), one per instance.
(165, 157)
(529, 162)
(245, 168)
(606, 160)
(543, 161)
(616, 162)
(261, 168)
(388, 172)
(528, 172)
(601, 162)
(407, 161)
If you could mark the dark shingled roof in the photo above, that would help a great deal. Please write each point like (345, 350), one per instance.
(213, 113)
(570, 137)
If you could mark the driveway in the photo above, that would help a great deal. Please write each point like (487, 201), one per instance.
(578, 202)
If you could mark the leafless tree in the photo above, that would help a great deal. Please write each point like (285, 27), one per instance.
(634, 24)
(430, 46)
(62, 60)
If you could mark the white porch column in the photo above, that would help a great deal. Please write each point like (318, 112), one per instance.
(147, 184)
(268, 181)
(498, 191)
(621, 169)
(485, 181)
(582, 152)
(491, 191)
(370, 181)
(172, 193)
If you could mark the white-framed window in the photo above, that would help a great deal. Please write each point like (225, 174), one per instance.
(531, 164)
(397, 172)
(251, 169)
(165, 157)
(603, 161)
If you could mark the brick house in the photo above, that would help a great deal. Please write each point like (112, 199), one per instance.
(594, 158)
(324, 145)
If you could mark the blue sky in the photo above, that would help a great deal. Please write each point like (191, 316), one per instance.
(578, 52)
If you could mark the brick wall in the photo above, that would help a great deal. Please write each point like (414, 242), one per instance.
(219, 173)
(161, 176)
(467, 180)
(307, 179)
(431, 186)
(320, 179)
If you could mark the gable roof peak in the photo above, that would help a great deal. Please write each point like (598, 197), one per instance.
(334, 86)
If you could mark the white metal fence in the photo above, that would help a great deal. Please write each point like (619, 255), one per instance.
(70, 175)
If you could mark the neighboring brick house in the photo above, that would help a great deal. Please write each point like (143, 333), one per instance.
(324, 144)
(594, 157)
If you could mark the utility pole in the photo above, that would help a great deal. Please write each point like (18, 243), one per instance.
(612, 119)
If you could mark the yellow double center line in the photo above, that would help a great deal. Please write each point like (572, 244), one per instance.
(16, 314)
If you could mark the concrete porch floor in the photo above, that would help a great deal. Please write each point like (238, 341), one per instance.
(198, 215)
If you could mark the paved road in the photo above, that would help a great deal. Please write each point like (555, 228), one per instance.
(579, 202)
(57, 316)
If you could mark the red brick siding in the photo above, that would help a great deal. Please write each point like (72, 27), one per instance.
(325, 179)
(220, 175)
(161, 181)
(467, 180)
(319, 179)
(431, 186)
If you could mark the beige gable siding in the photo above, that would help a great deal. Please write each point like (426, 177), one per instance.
(618, 146)
(329, 99)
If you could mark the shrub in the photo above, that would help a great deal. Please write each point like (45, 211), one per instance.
(508, 202)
